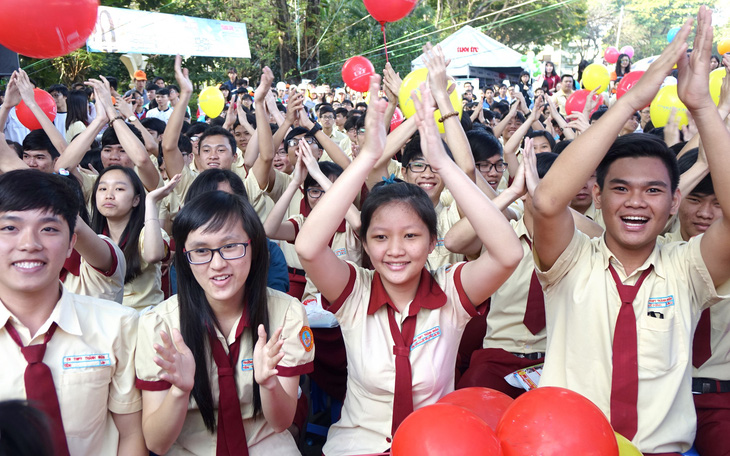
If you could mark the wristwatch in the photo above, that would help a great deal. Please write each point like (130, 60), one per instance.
(317, 127)
(132, 118)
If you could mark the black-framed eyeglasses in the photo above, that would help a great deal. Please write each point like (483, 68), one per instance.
(314, 192)
(294, 142)
(419, 167)
(227, 252)
(500, 166)
(326, 117)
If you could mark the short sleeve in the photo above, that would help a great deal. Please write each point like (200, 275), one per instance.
(148, 334)
(565, 262)
(706, 294)
(298, 339)
(124, 397)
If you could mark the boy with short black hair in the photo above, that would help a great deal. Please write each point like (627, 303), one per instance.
(621, 310)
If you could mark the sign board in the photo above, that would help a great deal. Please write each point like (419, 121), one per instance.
(130, 31)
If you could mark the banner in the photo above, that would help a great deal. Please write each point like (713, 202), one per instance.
(143, 32)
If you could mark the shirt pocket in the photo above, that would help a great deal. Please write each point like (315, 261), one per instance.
(658, 343)
(83, 398)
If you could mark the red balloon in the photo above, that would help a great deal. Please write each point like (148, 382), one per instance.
(553, 421)
(397, 119)
(577, 101)
(487, 404)
(389, 10)
(611, 54)
(628, 82)
(46, 103)
(46, 28)
(356, 73)
(441, 429)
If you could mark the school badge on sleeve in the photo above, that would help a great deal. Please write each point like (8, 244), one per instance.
(306, 338)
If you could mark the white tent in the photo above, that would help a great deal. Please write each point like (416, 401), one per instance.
(475, 55)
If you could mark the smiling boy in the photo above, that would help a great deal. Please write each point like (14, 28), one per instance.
(69, 355)
(621, 310)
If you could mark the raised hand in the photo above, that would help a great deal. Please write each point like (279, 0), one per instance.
(176, 361)
(267, 78)
(374, 142)
(156, 195)
(25, 87)
(266, 356)
(12, 93)
(692, 85)
(529, 161)
(182, 77)
(431, 144)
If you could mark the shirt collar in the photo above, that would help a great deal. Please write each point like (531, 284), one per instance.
(610, 258)
(63, 314)
(521, 229)
(429, 295)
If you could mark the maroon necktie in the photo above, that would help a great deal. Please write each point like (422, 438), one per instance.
(231, 436)
(625, 375)
(39, 388)
(535, 310)
(701, 345)
(403, 396)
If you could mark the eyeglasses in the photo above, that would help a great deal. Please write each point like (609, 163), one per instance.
(227, 252)
(294, 142)
(282, 153)
(360, 131)
(419, 167)
(314, 192)
(327, 117)
(194, 138)
(500, 166)
(624, 60)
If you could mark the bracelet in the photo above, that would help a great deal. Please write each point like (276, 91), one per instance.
(111, 122)
(152, 220)
(317, 127)
(446, 116)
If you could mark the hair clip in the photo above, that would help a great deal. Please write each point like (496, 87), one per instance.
(389, 180)
(63, 172)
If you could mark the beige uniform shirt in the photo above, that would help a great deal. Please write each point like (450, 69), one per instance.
(446, 217)
(367, 413)
(505, 327)
(107, 285)
(581, 306)
(194, 439)
(91, 357)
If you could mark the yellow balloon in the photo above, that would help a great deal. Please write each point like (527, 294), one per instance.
(661, 107)
(212, 101)
(625, 447)
(716, 78)
(413, 82)
(595, 75)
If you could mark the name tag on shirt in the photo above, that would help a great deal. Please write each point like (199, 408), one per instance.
(84, 361)
(426, 336)
(661, 303)
(340, 252)
(440, 242)
(247, 364)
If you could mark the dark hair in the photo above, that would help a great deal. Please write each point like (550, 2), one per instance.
(173, 87)
(581, 68)
(39, 140)
(294, 132)
(351, 122)
(113, 83)
(552, 73)
(341, 111)
(77, 106)
(543, 162)
(326, 107)
(155, 124)
(109, 138)
(162, 91)
(347, 102)
(16, 147)
(524, 73)
(544, 134)
(25, 430)
(561, 145)
(197, 127)
(685, 162)
(184, 144)
(483, 145)
(211, 211)
(208, 181)
(93, 157)
(413, 150)
(466, 122)
(639, 145)
(363, 105)
(619, 72)
(597, 115)
(399, 193)
(328, 168)
(129, 240)
(566, 75)
(151, 86)
(218, 131)
(62, 89)
(29, 189)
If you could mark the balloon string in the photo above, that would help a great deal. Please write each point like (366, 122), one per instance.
(385, 42)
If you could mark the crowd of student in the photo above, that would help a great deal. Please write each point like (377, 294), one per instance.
(185, 249)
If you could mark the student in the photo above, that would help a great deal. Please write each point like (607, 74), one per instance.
(223, 313)
(645, 387)
(121, 211)
(84, 380)
(39, 152)
(398, 232)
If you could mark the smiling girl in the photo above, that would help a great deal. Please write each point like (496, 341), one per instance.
(401, 323)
